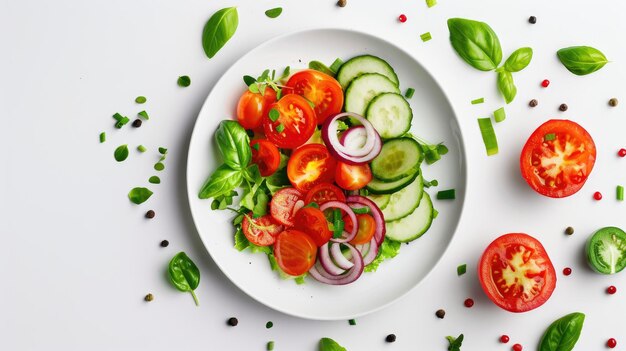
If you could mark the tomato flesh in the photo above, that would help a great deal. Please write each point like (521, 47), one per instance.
(352, 177)
(295, 252)
(558, 158)
(260, 231)
(312, 221)
(284, 205)
(324, 192)
(294, 124)
(365, 231)
(310, 165)
(516, 273)
(265, 155)
(321, 89)
(253, 106)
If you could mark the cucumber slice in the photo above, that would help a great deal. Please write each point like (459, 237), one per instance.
(405, 201)
(397, 159)
(364, 88)
(606, 250)
(380, 200)
(359, 65)
(390, 114)
(414, 225)
(378, 187)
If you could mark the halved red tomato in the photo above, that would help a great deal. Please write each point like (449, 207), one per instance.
(365, 232)
(284, 205)
(260, 231)
(295, 252)
(321, 89)
(292, 124)
(324, 192)
(557, 158)
(310, 165)
(352, 177)
(312, 221)
(516, 272)
(253, 106)
(265, 155)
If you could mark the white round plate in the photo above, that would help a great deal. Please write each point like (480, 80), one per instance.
(434, 120)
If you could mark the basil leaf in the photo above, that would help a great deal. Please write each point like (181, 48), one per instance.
(328, 344)
(121, 153)
(249, 80)
(318, 66)
(582, 60)
(518, 60)
(184, 274)
(241, 242)
(139, 195)
(476, 43)
(506, 86)
(234, 144)
(563, 333)
(221, 182)
(273, 13)
(219, 29)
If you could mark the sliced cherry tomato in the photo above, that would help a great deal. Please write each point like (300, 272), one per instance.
(310, 165)
(324, 192)
(557, 158)
(295, 252)
(294, 123)
(312, 221)
(365, 232)
(352, 177)
(260, 231)
(321, 89)
(265, 155)
(284, 205)
(516, 272)
(253, 106)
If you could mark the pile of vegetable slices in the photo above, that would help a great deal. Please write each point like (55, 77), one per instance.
(330, 176)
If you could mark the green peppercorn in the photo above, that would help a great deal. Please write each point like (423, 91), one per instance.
(149, 297)
(569, 230)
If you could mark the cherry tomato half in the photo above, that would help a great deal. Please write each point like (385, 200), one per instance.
(365, 232)
(293, 124)
(253, 106)
(310, 165)
(516, 272)
(284, 205)
(265, 155)
(312, 221)
(321, 89)
(260, 231)
(295, 252)
(352, 177)
(324, 192)
(557, 158)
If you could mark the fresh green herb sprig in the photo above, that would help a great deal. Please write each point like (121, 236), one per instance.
(432, 152)
(331, 71)
(563, 333)
(582, 60)
(219, 29)
(184, 274)
(328, 344)
(265, 80)
(455, 343)
(479, 46)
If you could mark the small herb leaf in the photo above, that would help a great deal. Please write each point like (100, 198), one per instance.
(563, 333)
(582, 60)
(507, 86)
(221, 182)
(184, 81)
(139, 195)
(518, 60)
(154, 180)
(476, 43)
(219, 29)
(273, 13)
(328, 344)
(234, 144)
(121, 153)
(249, 80)
(184, 274)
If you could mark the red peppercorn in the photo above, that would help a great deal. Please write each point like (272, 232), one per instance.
(402, 18)
(567, 271)
(504, 339)
(611, 343)
(621, 152)
(545, 83)
(468, 303)
(611, 290)
(597, 195)
(517, 347)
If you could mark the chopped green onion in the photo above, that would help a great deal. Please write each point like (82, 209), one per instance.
(144, 115)
(433, 182)
(620, 193)
(336, 64)
(273, 13)
(549, 137)
(155, 180)
(460, 270)
(426, 36)
(140, 99)
(361, 210)
(435, 213)
(159, 166)
(352, 322)
(274, 115)
(338, 223)
(162, 150)
(141, 148)
(270, 345)
(499, 115)
(478, 101)
(409, 93)
(431, 3)
(121, 120)
(280, 128)
(449, 194)
(489, 136)
(313, 204)
(184, 81)
(256, 146)
(103, 137)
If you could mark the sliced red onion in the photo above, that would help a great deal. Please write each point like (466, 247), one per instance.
(327, 263)
(318, 272)
(369, 251)
(352, 150)
(347, 236)
(338, 257)
(381, 229)
(332, 124)
(355, 137)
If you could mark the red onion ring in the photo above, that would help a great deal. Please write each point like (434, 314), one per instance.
(355, 137)
(327, 263)
(318, 272)
(347, 236)
(381, 229)
(338, 257)
(369, 251)
(331, 126)
(347, 153)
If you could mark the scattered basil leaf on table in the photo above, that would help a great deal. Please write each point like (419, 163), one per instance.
(328, 344)
(506, 86)
(121, 153)
(563, 333)
(183, 81)
(184, 274)
(518, 60)
(139, 195)
(222, 181)
(154, 180)
(455, 343)
(476, 43)
(219, 29)
(582, 60)
(273, 13)
(234, 144)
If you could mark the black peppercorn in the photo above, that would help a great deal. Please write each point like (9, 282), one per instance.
(533, 103)
(137, 123)
(164, 243)
(342, 3)
(569, 230)
(532, 19)
(232, 321)
(150, 214)
(563, 107)
(440, 314)
(390, 338)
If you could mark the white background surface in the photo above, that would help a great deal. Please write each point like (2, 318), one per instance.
(77, 258)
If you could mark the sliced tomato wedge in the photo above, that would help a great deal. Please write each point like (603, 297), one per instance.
(260, 231)
(265, 155)
(292, 123)
(321, 89)
(310, 165)
(516, 273)
(366, 230)
(312, 221)
(324, 192)
(558, 158)
(295, 252)
(284, 205)
(352, 177)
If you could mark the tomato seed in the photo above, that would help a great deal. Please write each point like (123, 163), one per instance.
(611, 290)
(621, 152)
(597, 195)
(611, 343)
(468, 303)
(567, 271)
(545, 83)
(504, 339)
(402, 18)
(517, 347)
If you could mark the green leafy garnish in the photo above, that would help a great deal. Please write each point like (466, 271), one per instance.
(432, 152)
(461, 269)
(388, 249)
(162, 150)
(144, 115)
(273, 13)
(159, 166)
(518, 60)
(274, 114)
(506, 86)
(455, 343)
(431, 3)
(139, 195)
(582, 60)
(318, 66)
(141, 148)
(328, 344)
(154, 180)
(121, 120)
(140, 99)
(184, 274)
(248, 80)
(234, 144)
(184, 81)
(103, 137)
(563, 333)
(121, 153)
(218, 30)
(426, 36)
(489, 136)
